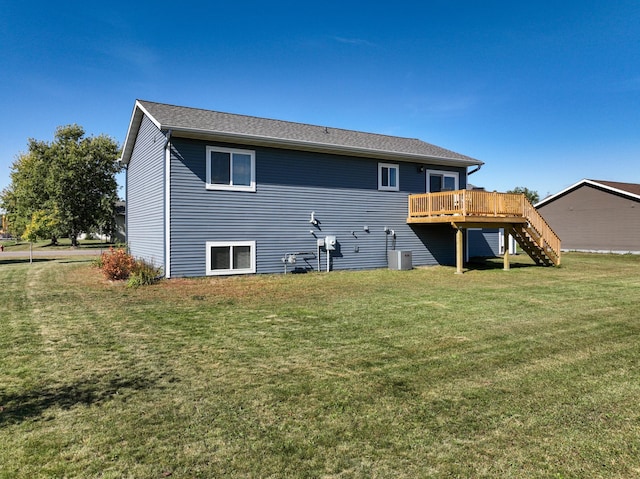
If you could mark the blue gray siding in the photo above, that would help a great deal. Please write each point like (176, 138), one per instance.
(484, 242)
(145, 196)
(342, 191)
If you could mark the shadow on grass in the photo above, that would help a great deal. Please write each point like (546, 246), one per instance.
(22, 260)
(80, 247)
(19, 407)
(104, 246)
(49, 245)
(483, 264)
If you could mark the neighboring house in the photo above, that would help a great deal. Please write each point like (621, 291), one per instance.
(596, 216)
(119, 235)
(211, 193)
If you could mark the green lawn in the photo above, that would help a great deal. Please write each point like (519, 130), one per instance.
(529, 373)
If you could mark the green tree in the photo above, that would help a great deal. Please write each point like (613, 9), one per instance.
(531, 195)
(70, 182)
(43, 224)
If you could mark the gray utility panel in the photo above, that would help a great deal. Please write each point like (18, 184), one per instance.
(401, 260)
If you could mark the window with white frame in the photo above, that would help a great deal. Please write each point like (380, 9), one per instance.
(231, 169)
(231, 257)
(388, 177)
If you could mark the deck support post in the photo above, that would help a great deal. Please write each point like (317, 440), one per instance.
(507, 234)
(459, 256)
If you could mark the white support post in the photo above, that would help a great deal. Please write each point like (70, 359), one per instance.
(507, 234)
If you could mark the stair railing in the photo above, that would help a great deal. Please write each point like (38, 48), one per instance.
(547, 238)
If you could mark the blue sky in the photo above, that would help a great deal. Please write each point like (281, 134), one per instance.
(545, 93)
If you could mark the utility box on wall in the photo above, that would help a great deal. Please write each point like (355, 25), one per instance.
(330, 243)
(400, 260)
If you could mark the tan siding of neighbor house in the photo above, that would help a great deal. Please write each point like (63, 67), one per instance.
(592, 219)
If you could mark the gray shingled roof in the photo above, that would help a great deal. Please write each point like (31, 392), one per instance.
(185, 121)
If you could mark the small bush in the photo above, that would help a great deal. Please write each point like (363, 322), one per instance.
(143, 273)
(97, 263)
(117, 264)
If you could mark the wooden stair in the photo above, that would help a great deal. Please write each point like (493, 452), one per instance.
(537, 238)
(483, 209)
(531, 244)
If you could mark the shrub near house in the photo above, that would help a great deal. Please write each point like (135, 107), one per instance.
(117, 264)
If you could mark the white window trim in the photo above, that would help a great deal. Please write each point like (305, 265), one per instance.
(231, 187)
(225, 272)
(454, 174)
(388, 188)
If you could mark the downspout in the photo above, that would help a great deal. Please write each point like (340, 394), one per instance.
(126, 196)
(328, 261)
(167, 204)
(474, 171)
(167, 137)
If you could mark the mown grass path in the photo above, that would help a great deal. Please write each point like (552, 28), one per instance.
(529, 373)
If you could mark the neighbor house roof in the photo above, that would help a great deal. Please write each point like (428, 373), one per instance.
(214, 125)
(631, 190)
(121, 207)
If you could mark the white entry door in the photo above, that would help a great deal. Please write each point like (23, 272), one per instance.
(438, 180)
(501, 242)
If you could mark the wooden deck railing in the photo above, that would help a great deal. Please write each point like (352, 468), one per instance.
(466, 203)
(484, 204)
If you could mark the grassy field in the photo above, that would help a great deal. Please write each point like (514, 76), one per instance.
(529, 373)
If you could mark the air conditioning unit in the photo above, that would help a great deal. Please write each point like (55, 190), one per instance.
(400, 260)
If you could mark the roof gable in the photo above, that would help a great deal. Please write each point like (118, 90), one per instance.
(630, 190)
(207, 124)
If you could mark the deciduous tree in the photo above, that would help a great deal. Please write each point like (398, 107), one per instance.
(531, 195)
(43, 225)
(70, 182)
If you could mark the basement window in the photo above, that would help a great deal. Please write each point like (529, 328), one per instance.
(231, 257)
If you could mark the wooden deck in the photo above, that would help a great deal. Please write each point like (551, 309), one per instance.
(481, 209)
(468, 205)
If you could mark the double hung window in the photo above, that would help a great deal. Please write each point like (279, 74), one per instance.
(388, 177)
